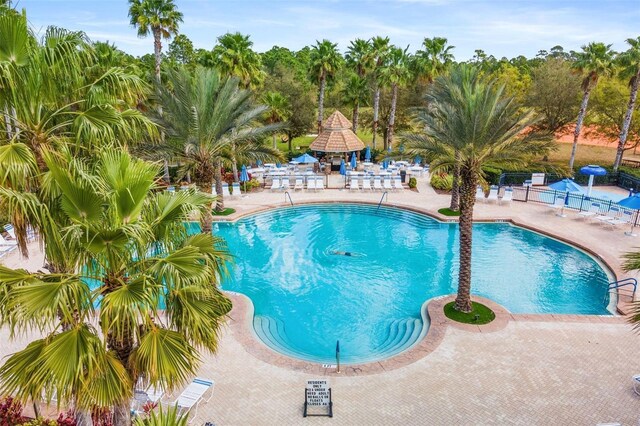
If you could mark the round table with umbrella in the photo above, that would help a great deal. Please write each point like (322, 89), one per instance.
(305, 159)
(632, 202)
(567, 186)
(592, 170)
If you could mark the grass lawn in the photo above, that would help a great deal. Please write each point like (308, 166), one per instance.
(448, 212)
(585, 154)
(225, 212)
(484, 314)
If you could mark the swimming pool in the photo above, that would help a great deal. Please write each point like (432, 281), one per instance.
(306, 297)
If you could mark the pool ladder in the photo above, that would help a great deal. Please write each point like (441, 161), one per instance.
(286, 194)
(622, 283)
(382, 198)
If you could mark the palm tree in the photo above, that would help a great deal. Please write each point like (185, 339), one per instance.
(234, 57)
(355, 93)
(630, 63)
(433, 60)
(395, 73)
(205, 116)
(379, 52)
(161, 18)
(359, 56)
(169, 416)
(156, 286)
(279, 111)
(595, 61)
(471, 116)
(325, 61)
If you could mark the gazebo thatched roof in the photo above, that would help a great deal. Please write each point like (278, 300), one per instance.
(337, 136)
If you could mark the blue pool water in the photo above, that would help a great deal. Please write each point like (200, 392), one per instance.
(306, 298)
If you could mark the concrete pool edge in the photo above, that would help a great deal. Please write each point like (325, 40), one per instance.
(623, 305)
(241, 324)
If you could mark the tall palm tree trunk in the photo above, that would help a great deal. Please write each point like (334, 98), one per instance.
(323, 82)
(627, 121)
(576, 133)
(467, 200)
(455, 185)
(217, 170)
(392, 116)
(356, 113)
(157, 50)
(234, 169)
(122, 347)
(376, 107)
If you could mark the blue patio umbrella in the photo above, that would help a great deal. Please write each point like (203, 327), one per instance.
(417, 160)
(278, 165)
(632, 202)
(367, 154)
(385, 164)
(343, 168)
(592, 170)
(244, 176)
(566, 185)
(259, 163)
(306, 158)
(354, 162)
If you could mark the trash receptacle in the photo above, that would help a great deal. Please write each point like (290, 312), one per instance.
(403, 175)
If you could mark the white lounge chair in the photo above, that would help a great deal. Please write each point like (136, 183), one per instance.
(10, 230)
(4, 250)
(299, 184)
(311, 183)
(353, 186)
(480, 193)
(592, 210)
(275, 184)
(214, 191)
(236, 189)
(397, 184)
(507, 197)
(193, 395)
(493, 194)
(366, 184)
(558, 203)
(285, 183)
(319, 183)
(10, 243)
(612, 214)
(377, 184)
(624, 218)
(387, 183)
(225, 190)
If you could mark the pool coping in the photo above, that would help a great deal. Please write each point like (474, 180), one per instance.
(241, 325)
(623, 304)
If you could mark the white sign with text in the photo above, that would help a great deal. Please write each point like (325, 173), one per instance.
(318, 394)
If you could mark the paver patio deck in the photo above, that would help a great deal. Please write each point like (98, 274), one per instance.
(534, 370)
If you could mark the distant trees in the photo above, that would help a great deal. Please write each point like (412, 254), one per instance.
(629, 62)
(234, 57)
(325, 62)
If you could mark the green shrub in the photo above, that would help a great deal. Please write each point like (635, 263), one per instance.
(492, 175)
(442, 181)
(413, 182)
(250, 185)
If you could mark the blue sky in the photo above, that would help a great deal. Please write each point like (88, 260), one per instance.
(500, 27)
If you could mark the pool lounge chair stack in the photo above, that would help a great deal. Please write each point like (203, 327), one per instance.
(191, 397)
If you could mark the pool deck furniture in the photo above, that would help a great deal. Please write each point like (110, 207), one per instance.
(591, 211)
(480, 193)
(10, 243)
(387, 183)
(507, 198)
(377, 184)
(225, 190)
(193, 395)
(558, 203)
(299, 185)
(353, 186)
(493, 194)
(612, 214)
(311, 183)
(366, 184)
(237, 192)
(275, 184)
(397, 184)
(285, 184)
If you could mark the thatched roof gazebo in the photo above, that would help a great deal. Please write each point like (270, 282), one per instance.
(337, 136)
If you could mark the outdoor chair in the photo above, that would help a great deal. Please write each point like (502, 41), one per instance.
(624, 218)
(493, 194)
(275, 184)
(299, 184)
(387, 183)
(319, 183)
(311, 183)
(225, 190)
(397, 184)
(480, 193)
(377, 185)
(612, 214)
(366, 183)
(214, 191)
(507, 197)
(191, 397)
(10, 230)
(558, 203)
(11, 243)
(593, 210)
(353, 186)
(285, 184)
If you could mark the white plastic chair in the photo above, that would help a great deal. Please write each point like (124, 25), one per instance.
(480, 193)
(275, 184)
(377, 184)
(285, 183)
(225, 190)
(493, 194)
(319, 183)
(353, 186)
(10, 243)
(193, 395)
(236, 189)
(311, 183)
(591, 211)
(624, 218)
(558, 203)
(10, 230)
(214, 191)
(612, 214)
(507, 197)
(366, 184)
(299, 184)
(387, 183)
(397, 184)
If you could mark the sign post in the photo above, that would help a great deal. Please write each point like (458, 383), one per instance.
(317, 393)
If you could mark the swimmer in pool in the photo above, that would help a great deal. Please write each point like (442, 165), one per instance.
(344, 253)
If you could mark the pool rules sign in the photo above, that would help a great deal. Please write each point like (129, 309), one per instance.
(317, 393)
